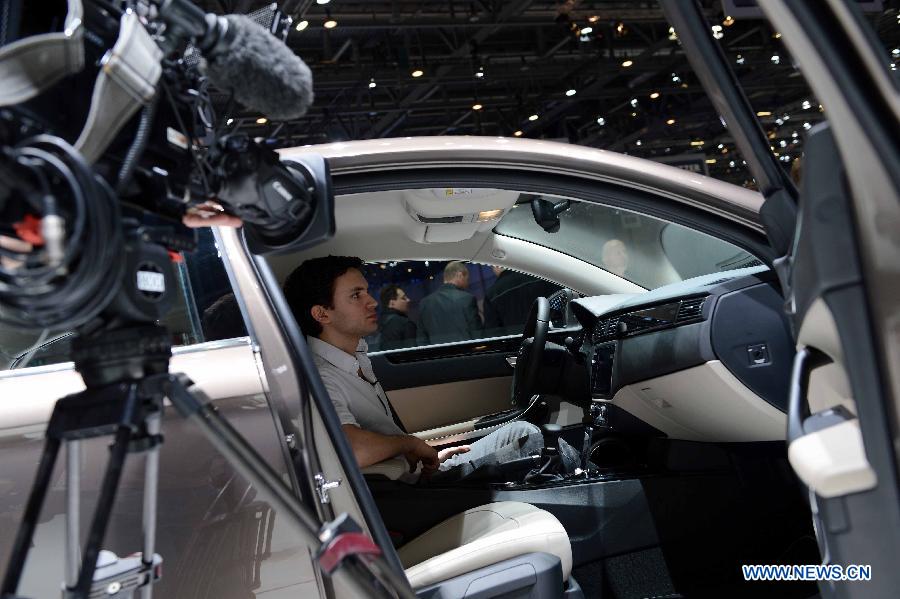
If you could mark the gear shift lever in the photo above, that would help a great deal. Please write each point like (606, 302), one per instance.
(551, 436)
(551, 467)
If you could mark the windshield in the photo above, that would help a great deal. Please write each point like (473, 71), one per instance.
(644, 250)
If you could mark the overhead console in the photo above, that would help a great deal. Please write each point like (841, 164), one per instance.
(719, 344)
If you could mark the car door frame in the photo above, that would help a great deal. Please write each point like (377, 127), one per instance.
(829, 42)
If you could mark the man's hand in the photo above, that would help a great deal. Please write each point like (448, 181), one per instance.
(446, 454)
(416, 451)
(209, 214)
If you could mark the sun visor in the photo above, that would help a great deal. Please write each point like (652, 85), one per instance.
(449, 214)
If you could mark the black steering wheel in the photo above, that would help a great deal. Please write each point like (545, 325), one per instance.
(531, 351)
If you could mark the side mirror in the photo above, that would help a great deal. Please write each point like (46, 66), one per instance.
(546, 213)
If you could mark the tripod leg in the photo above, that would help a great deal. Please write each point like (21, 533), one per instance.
(257, 471)
(73, 509)
(104, 507)
(25, 533)
(151, 482)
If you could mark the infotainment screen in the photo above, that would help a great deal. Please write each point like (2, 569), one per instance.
(602, 370)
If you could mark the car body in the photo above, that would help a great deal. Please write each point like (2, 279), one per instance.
(697, 407)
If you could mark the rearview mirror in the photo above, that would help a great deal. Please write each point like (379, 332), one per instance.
(546, 213)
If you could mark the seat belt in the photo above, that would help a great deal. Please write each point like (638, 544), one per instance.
(387, 401)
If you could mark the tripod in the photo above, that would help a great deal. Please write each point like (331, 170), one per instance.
(125, 371)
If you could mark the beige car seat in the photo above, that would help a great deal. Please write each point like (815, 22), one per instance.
(484, 536)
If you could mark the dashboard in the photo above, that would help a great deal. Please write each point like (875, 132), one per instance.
(688, 357)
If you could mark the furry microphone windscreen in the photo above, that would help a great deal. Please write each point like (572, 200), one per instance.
(262, 72)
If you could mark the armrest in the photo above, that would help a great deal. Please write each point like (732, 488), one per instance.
(395, 468)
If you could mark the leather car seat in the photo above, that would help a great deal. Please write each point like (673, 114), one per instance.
(484, 536)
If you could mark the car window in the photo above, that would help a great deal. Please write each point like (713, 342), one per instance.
(644, 250)
(416, 307)
(204, 310)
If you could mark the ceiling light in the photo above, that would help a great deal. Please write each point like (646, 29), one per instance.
(739, 59)
(486, 215)
(634, 102)
(533, 117)
(783, 143)
(302, 25)
(634, 114)
(775, 59)
(417, 73)
(670, 122)
(586, 30)
(895, 52)
(763, 113)
(372, 83)
(654, 95)
(786, 116)
(710, 161)
(229, 121)
(638, 143)
(571, 92)
(601, 121)
(320, 2)
(795, 134)
(807, 126)
(627, 63)
(672, 35)
(729, 21)
(477, 106)
(621, 29)
(806, 105)
(777, 35)
(731, 163)
(717, 32)
(329, 24)
(479, 73)
(696, 142)
(779, 121)
(593, 19)
(676, 78)
(518, 133)
(262, 120)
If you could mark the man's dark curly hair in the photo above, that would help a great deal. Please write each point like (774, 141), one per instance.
(388, 293)
(312, 284)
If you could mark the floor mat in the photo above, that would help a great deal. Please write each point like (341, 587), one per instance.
(638, 575)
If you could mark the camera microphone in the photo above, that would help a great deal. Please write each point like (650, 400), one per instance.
(258, 68)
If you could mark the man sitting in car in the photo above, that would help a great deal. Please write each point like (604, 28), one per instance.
(330, 299)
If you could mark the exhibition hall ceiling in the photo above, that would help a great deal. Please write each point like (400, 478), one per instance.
(607, 74)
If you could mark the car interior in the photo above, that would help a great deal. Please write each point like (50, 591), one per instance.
(670, 382)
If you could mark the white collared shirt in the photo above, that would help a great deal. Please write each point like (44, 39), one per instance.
(358, 402)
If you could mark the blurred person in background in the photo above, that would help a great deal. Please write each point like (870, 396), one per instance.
(451, 312)
(397, 330)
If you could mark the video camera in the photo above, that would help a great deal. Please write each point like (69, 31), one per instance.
(109, 135)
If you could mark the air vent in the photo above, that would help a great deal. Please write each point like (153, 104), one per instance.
(690, 309)
(605, 329)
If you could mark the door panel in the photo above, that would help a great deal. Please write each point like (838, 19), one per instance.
(457, 384)
(838, 436)
(432, 406)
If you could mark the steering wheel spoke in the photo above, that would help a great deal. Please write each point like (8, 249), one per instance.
(531, 352)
